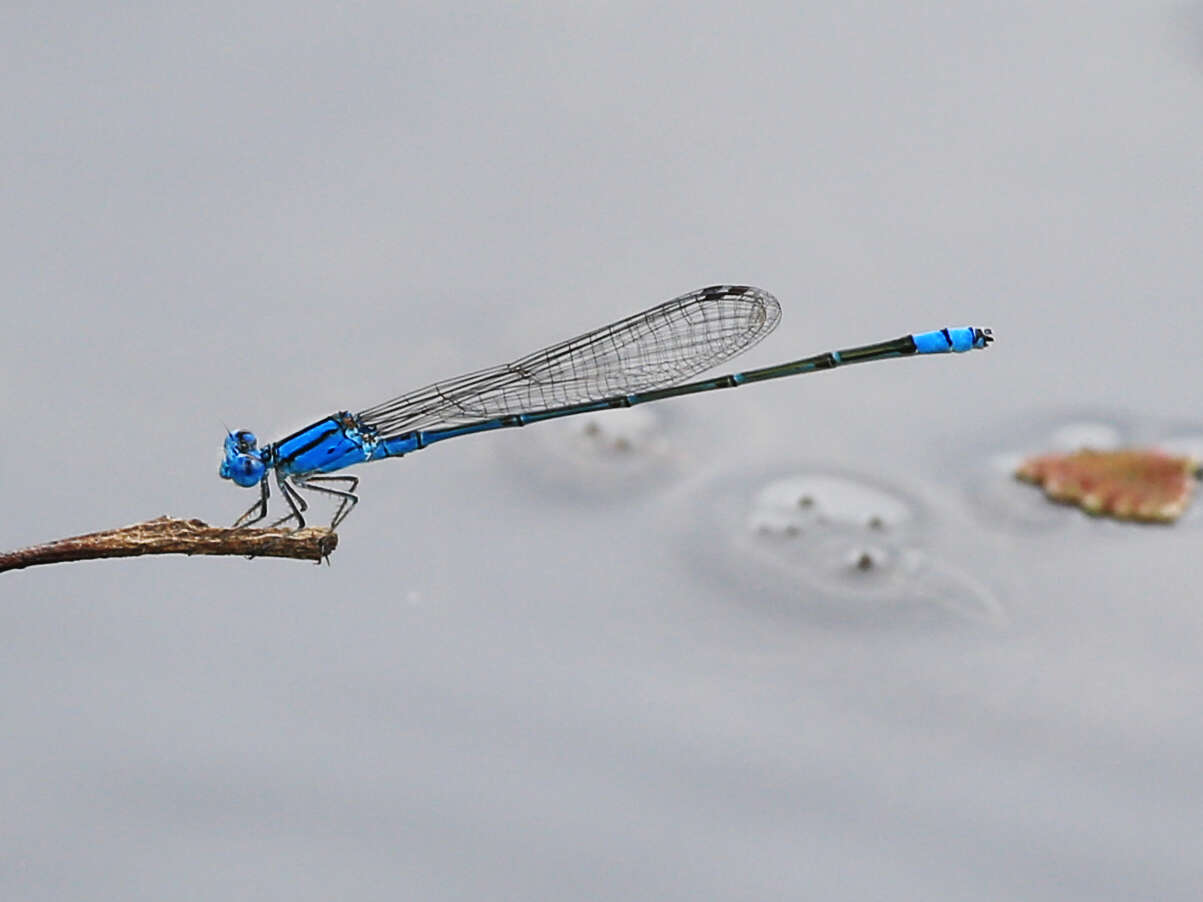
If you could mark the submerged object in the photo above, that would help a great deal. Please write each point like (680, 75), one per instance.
(1141, 484)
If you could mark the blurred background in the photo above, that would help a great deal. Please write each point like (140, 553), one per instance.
(601, 660)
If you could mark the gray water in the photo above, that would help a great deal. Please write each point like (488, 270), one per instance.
(602, 662)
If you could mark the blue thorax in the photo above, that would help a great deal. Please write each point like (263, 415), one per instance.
(328, 445)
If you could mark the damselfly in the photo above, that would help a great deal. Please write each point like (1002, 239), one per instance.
(645, 357)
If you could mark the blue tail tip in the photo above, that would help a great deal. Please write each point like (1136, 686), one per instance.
(967, 338)
(958, 340)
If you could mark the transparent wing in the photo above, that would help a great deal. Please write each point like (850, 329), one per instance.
(662, 346)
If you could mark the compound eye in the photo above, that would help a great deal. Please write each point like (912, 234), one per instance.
(246, 470)
(245, 441)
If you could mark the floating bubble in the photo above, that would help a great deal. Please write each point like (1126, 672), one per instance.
(1185, 445)
(1085, 434)
(805, 500)
(613, 454)
(839, 546)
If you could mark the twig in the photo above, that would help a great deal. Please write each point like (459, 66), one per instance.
(168, 535)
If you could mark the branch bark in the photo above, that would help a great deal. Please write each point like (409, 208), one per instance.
(169, 535)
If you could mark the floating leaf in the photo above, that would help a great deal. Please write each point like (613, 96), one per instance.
(1128, 484)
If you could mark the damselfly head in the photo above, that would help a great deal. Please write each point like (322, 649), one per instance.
(243, 462)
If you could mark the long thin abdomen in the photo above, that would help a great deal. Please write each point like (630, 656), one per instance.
(940, 341)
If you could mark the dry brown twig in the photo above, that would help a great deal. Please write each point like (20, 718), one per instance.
(169, 535)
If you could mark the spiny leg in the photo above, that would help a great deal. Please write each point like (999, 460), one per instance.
(260, 505)
(295, 502)
(348, 496)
